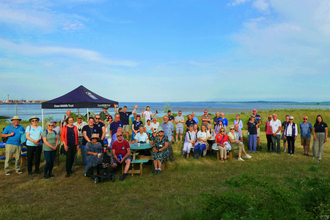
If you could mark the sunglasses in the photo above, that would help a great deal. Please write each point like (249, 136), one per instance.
(291, 119)
(119, 135)
(232, 129)
(50, 125)
(34, 121)
(305, 119)
(97, 118)
(222, 132)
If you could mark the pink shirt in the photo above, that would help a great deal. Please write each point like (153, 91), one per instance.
(268, 127)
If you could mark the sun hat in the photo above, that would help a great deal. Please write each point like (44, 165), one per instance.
(16, 118)
(95, 136)
(105, 107)
(34, 117)
(160, 129)
(291, 117)
(79, 116)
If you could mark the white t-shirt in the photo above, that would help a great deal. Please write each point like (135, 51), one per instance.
(155, 126)
(148, 127)
(147, 115)
(202, 135)
(275, 125)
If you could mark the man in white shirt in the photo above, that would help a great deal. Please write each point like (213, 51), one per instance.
(275, 128)
(80, 124)
(179, 120)
(290, 134)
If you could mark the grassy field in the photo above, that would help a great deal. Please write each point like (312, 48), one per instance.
(167, 196)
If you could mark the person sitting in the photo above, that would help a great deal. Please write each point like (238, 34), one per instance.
(94, 152)
(212, 134)
(222, 141)
(141, 137)
(236, 143)
(202, 136)
(114, 136)
(121, 149)
(148, 127)
(161, 153)
(189, 142)
(218, 127)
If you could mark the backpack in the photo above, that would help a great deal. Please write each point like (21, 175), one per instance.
(4, 140)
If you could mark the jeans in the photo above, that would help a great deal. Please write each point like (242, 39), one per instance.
(290, 141)
(50, 159)
(72, 150)
(253, 139)
(133, 136)
(35, 152)
(200, 148)
(269, 141)
(84, 153)
(276, 140)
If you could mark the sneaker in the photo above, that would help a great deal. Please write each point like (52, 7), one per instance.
(247, 156)
(122, 177)
(240, 159)
(159, 172)
(37, 172)
(7, 173)
(19, 172)
(319, 158)
(46, 177)
(51, 175)
(222, 160)
(291, 154)
(284, 151)
(67, 175)
(226, 160)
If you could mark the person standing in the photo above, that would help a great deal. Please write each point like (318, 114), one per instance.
(116, 124)
(179, 120)
(189, 122)
(101, 128)
(290, 134)
(13, 144)
(206, 119)
(224, 121)
(284, 126)
(155, 125)
(320, 132)
(107, 129)
(147, 114)
(80, 124)
(64, 118)
(170, 116)
(33, 144)
(124, 117)
(239, 122)
(268, 133)
(216, 119)
(275, 128)
(195, 118)
(57, 129)
(168, 132)
(252, 127)
(104, 114)
(132, 121)
(69, 139)
(258, 120)
(121, 147)
(306, 128)
(50, 143)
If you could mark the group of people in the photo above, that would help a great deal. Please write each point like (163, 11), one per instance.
(200, 136)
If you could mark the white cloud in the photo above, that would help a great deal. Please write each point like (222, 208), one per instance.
(237, 2)
(262, 5)
(87, 55)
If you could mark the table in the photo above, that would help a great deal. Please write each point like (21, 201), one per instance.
(134, 147)
(23, 156)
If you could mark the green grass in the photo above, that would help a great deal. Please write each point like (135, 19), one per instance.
(168, 196)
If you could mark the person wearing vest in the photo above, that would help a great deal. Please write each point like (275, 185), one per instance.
(284, 126)
(189, 141)
(290, 134)
(69, 139)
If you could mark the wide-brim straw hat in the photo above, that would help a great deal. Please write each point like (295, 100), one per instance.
(16, 118)
(34, 117)
(79, 116)
(96, 136)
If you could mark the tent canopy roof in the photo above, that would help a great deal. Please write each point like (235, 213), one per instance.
(80, 97)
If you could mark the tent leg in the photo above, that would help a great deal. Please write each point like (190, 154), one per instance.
(87, 115)
(42, 118)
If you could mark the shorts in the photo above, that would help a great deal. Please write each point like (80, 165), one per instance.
(116, 162)
(258, 132)
(282, 137)
(126, 128)
(305, 141)
(179, 130)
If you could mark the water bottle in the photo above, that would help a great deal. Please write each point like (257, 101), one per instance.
(120, 157)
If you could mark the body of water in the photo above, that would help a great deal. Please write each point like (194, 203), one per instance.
(25, 111)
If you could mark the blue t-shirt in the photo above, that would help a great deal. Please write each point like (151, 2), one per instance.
(140, 137)
(305, 129)
(34, 134)
(115, 125)
(196, 120)
(16, 139)
(224, 121)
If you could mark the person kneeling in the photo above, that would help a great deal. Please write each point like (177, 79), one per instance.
(94, 152)
(161, 153)
(121, 151)
(222, 140)
(237, 143)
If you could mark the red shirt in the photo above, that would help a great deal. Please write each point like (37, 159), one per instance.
(221, 139)
(268, 131)
(120, 148)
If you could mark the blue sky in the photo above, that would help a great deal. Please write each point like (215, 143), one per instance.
(153, 50)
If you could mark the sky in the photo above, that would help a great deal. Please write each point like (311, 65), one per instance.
(166, 51)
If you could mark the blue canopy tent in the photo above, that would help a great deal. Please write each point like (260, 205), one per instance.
(80, 97)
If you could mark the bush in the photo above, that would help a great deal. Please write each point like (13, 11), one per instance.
(306, 198)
